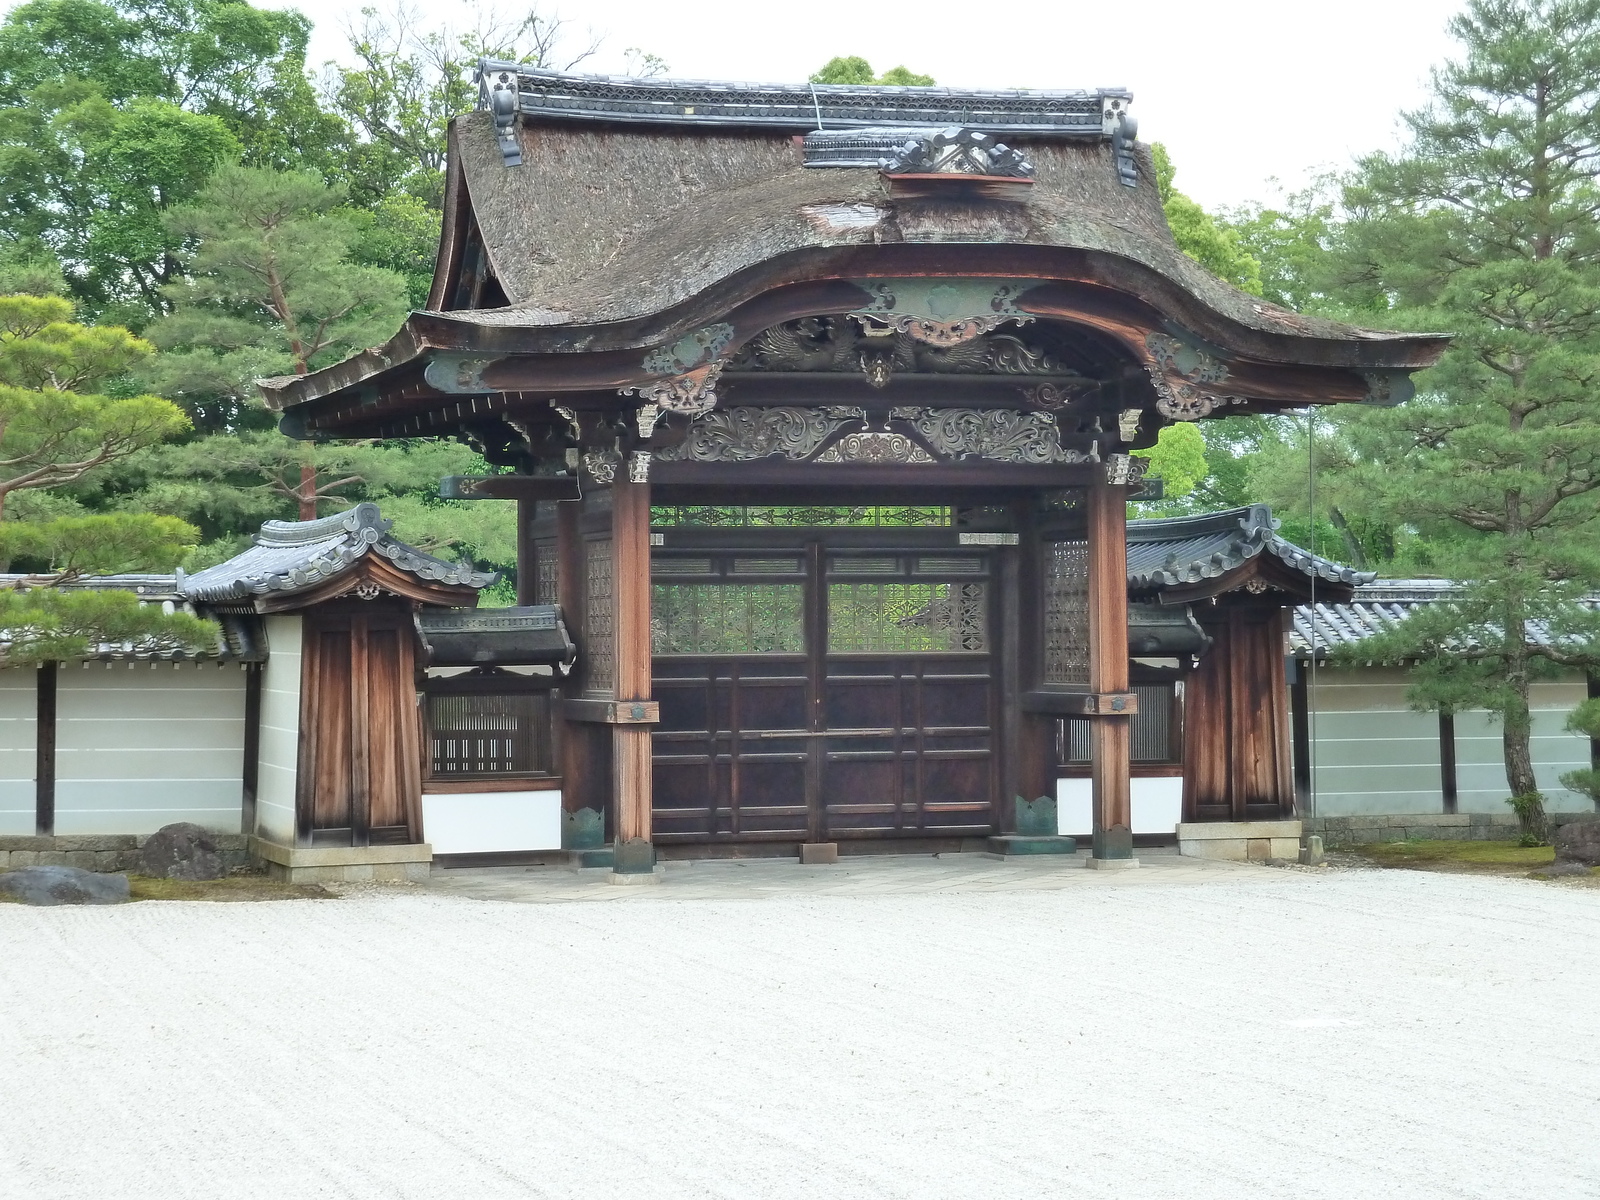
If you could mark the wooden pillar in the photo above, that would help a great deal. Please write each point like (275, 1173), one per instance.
(44, 771)
(252, 747)
(1110, 741)
(527, 554)
(630, 737)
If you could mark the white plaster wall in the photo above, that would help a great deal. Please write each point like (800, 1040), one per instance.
(1372, 753)
(1156, 803)
(280, 731)
(491, 822)
(143, 745)
(19, 699)
(1480, 758)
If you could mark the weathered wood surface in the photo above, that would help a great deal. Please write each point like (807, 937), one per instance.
(1111, 744)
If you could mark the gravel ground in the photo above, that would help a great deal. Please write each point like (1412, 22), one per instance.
(1253, 1034)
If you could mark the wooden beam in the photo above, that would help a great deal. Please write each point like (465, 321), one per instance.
(1110, 736)
(252, 747)
(509, 487)
(1447, 761)
(360, 734)
(527, 553)
(632, 795)
(1300, 720)
(44, 776)
(887, 481)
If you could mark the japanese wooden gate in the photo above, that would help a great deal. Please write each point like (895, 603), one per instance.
(660, 303)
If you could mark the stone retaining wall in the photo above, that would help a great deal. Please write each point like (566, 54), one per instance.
(101, 852)
(1340, 832)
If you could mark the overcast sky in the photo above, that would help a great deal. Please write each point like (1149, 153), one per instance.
(1241, 91)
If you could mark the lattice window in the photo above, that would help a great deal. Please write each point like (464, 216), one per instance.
(599, 624)
(875, 515)
(727, 618)
(490, 734)
(1066, 613)
(545, 579)
(1152, 730)
(907, 618)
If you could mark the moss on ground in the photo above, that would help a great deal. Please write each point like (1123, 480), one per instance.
(1470, 858)
(231, 888)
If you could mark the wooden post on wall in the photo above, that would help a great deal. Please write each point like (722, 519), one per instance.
(631, 789)
(1110, 736)
(44, 776)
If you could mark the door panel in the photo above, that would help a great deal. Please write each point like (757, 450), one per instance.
(880, 726)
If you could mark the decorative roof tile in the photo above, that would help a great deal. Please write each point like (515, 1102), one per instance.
(1174, 551)
(293, 556)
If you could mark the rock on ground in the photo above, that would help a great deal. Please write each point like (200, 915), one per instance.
(1579, 842)
(182, 850)
(63, 885)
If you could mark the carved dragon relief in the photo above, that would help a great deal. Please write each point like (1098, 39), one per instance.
(1185, 379)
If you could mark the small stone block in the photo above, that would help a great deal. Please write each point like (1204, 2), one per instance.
(636, 856)
(1311, 851)
(1111, 864)
(1012, 845)
(818, 853)
(636, 877)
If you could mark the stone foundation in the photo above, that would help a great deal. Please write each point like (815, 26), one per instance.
(344, 864)
(1240, 841)
(107, 852)
(1343, 832)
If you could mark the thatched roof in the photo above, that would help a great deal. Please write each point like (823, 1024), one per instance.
(615, 215)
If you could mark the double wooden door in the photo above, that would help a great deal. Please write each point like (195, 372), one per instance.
(360, 776)
(821, 692)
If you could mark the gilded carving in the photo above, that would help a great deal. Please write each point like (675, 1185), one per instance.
(874, 447)
(601, 465)
(690, 351)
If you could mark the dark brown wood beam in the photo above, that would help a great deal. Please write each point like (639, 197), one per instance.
(522, 488)
(252, 747)
(632, 791)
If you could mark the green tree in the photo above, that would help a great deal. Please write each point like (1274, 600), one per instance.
(111, 113)
(409, 79)
(1488, 224)
(858, 70)
(56, 429)
(269, 290)
(1199, 235)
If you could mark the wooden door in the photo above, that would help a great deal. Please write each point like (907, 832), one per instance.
(818, 694)
(360, 776)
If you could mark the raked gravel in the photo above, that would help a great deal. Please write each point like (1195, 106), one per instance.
(1264, 1034)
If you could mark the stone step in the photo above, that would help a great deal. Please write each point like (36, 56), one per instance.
(1016, 844)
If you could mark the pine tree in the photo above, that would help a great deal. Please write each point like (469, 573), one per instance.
(1488, 226)
(56, 427)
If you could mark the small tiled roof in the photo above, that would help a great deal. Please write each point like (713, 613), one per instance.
(292, 556)
(1173, 551)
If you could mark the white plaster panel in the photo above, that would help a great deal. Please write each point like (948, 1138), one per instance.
(19, 710)
(144, 805)
(1157, 803)
(1074, 807)
(18, 812)
(280, 731)
(491, 822)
